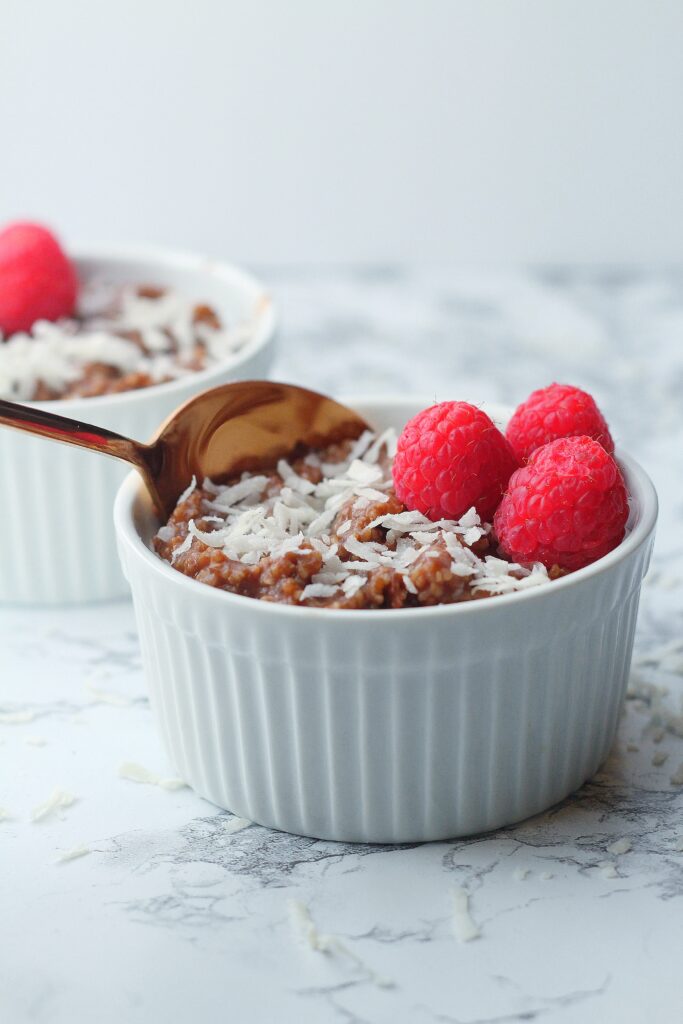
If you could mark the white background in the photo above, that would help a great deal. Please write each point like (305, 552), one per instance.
(480, 131)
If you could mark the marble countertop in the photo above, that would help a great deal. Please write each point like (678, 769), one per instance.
(135, 903)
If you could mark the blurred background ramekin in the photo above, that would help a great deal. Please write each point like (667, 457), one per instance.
(57, 542)
(388, 726)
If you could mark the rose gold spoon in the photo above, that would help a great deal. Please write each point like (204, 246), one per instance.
(235, 427)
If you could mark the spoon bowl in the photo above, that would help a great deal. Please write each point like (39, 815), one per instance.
(218, 433)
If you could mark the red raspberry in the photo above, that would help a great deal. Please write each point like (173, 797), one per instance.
(568, 506)
(559, 410)
(37, 280)
(449, 458)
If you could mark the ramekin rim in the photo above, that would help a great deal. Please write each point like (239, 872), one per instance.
(132, 487)
(265, 328)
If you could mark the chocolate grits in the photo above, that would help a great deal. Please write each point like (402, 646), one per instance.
(121, 338)
(328, 531)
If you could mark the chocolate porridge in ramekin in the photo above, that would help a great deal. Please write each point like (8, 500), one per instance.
(121, 337)
(150, 329)
(326, 529)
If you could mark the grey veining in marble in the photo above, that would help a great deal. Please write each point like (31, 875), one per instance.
(173, 912)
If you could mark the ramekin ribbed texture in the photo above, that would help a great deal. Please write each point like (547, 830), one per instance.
(389, 726)
(57, 543)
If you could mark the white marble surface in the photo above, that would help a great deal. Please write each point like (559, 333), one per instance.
(171, 916)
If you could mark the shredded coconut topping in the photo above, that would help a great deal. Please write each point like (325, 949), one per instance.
(330, 945)
(138, 773)
(301, 516)
(16, 717)
(73, 854)
(619, 846)
(116, 700)
(236, 824)
(58, 801)
(608, 869)
(57, 354)
(463, 925)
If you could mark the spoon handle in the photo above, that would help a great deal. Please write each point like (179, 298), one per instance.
(60, 428)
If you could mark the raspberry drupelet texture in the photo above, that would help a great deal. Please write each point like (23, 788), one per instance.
(37, 280)
(559, 410)
(449, 458)
(568, 506)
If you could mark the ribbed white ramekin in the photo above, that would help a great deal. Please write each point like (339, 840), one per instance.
(57, 543)
(388, 726)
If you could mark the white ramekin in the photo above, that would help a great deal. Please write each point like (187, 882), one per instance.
(57, 543)
(388, 726)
